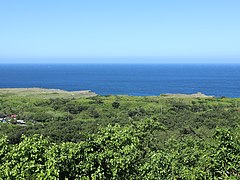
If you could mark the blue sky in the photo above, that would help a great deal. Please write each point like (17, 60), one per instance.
(120, 31)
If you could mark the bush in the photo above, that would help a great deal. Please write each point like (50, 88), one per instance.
(115, 104)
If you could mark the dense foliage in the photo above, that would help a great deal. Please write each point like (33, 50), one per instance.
(120, 137)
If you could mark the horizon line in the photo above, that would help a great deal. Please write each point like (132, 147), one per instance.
(119, 63)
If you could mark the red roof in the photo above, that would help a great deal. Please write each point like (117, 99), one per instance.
(13, 115)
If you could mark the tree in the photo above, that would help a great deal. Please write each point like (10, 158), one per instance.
(25, 160)
(115, 104)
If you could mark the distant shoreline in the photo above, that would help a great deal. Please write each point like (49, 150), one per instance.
(46, 91)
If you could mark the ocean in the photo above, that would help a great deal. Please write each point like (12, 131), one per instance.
(126, 79)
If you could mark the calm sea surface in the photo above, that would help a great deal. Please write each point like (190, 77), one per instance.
(143, 80)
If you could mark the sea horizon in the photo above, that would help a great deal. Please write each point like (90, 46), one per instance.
(125, 60)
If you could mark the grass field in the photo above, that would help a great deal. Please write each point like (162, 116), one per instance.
(45, 93)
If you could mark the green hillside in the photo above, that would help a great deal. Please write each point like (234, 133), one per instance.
(84, 136)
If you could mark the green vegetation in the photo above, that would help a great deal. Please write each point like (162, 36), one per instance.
(119, 137)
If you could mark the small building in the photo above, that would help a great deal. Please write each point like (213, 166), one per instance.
(13, 116)
(3, 120)
(21, 122)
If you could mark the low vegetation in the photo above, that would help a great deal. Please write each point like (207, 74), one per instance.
(119, 137)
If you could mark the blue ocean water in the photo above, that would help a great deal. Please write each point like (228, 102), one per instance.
(131, 79)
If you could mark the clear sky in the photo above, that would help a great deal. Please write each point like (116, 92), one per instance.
(120, 31)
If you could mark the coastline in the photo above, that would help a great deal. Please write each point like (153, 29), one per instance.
(46, 92)
(82, 93)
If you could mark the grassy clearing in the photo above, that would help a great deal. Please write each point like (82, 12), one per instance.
(45, 93)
